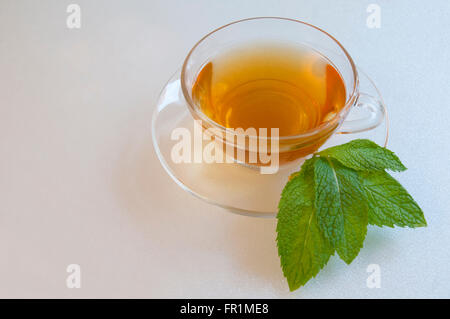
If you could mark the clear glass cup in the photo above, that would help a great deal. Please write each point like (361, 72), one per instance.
(267, 29)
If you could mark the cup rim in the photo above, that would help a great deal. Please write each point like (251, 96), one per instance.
(320, 128)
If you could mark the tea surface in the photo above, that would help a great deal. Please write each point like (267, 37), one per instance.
(292, 88)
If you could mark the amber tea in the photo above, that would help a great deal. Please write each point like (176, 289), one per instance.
(267, 85)
(289, 87)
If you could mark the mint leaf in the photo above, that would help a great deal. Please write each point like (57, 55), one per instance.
(389, 203)
(327, 205)
(341, 207)
(364, 155)
(302, 248)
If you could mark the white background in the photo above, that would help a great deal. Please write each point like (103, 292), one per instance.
(80, 182)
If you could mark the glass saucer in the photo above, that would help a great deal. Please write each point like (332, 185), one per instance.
(237, 188)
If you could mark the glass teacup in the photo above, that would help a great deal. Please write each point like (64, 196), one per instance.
(289, 148)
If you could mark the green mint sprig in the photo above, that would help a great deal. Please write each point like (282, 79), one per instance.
(327, 205)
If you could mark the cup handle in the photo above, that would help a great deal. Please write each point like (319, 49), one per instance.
(373, 112)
